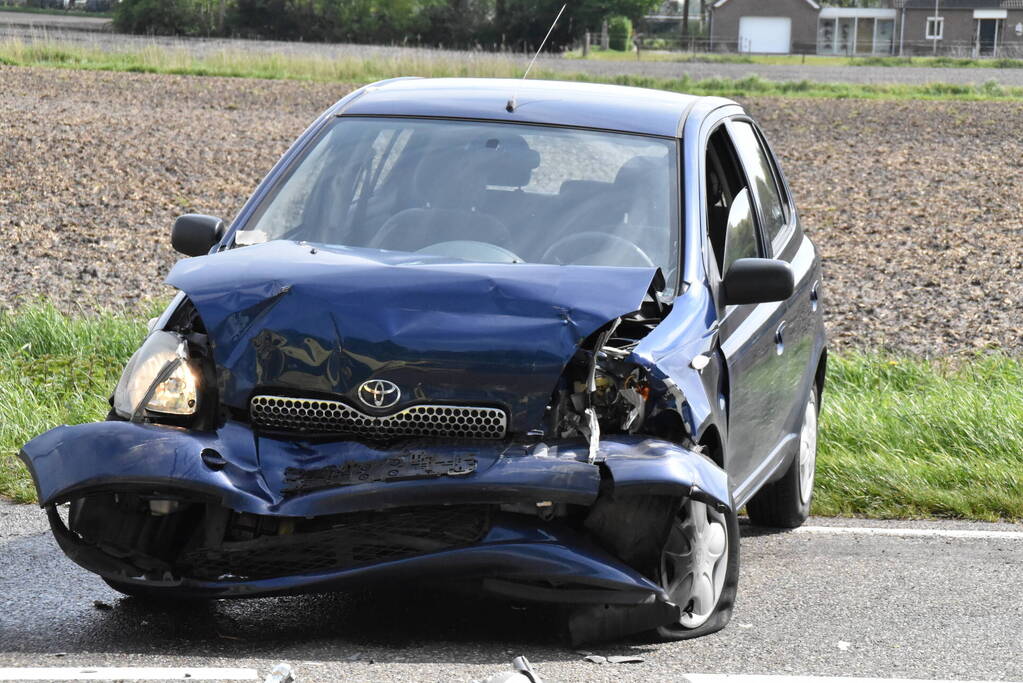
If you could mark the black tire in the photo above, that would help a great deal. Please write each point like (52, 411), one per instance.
(782, 504)
(722, 610)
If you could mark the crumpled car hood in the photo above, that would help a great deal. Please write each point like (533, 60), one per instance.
(320, 321)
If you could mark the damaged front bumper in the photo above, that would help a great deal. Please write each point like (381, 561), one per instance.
(231, 513)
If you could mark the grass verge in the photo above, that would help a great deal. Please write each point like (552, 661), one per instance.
(899, 437)
(796, 60)
(55, 369)
(913, 438)
(242, 64)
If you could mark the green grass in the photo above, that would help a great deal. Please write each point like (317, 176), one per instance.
(55, 369)
(899, 437)
(807, 60)
(801, 60)
(912, 438)
(653, 55)
(939, 62)
(242, 64)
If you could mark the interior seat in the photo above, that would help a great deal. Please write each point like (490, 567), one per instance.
(449, 184)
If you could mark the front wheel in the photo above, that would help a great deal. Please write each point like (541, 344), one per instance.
(699, 570)
(786, 502)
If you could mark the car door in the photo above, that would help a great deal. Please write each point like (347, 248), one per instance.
(784, 240)
(748, 334)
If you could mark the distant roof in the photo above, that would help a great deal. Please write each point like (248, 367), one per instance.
(584, 105)
(811, 3)
(952, 4)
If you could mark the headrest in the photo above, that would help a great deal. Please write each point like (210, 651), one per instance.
(646, 182)
(640, 171)
(445, 179)
(504, 160)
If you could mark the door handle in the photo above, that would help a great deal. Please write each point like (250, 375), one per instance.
(779, 338)
(815, 295)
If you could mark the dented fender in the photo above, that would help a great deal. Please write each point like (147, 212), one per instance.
(656, 467)
(683, 360)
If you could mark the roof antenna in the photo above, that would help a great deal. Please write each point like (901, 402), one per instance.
(511, 103)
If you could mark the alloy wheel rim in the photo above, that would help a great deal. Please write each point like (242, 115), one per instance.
(808, 451)
(694, 562)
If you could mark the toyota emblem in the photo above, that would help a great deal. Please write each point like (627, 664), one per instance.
(379, 393)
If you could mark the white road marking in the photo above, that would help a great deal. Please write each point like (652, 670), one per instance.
(100, 673)
(902, 531)
(744, 678)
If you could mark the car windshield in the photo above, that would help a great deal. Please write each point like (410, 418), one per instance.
(485, 192)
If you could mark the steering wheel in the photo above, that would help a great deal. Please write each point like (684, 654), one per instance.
(596, 237)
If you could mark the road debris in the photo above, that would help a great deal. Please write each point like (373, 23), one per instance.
(523, 673)
(613, 659)
(280, 674)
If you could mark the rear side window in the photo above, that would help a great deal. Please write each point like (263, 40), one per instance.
(760, 171)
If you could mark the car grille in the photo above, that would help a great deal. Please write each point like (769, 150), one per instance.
(284, 413)
(354, 540)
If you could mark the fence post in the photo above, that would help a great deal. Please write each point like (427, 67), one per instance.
(586, 44)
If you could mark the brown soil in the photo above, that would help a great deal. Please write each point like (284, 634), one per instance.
(917, 207)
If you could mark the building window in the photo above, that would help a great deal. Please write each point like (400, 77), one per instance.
(935, 28)
(848, 35)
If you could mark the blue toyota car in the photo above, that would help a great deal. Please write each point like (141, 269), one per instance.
(541, 339)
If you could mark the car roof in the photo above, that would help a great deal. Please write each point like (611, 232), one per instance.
(564, 103)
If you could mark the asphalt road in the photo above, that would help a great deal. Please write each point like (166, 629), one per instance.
(820, 603)
(37, 28)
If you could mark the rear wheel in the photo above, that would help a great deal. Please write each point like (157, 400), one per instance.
(699, 570)
(786, 502)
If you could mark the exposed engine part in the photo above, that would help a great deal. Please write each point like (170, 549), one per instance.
(601, 391)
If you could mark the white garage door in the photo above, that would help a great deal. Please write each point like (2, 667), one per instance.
(765, 34)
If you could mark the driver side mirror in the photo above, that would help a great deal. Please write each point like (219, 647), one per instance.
(757, 281)
(195, 234)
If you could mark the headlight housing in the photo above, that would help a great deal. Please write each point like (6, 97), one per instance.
(159, 378)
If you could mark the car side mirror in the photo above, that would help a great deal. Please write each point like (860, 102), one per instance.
(757, 281)
(195, 234)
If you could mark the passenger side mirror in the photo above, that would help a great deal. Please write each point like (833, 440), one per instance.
(195, 234)
(757, 281)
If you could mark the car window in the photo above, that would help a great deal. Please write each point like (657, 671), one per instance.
(481, 191)
(741, 238)
(725, 186)
(760, 172)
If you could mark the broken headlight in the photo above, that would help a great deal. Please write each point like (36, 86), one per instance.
(159, 377)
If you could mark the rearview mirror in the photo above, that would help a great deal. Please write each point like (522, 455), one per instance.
(195, 234)
(757, 281)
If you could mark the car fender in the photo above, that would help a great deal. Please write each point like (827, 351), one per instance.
(638, 465)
